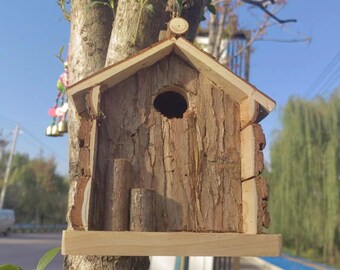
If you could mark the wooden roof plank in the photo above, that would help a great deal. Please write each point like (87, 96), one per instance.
(169, 244)
(236, 88)
(118, 72)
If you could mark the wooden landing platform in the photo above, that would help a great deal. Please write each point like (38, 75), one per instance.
(170, 244)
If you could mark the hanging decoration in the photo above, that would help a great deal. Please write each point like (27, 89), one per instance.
(59, 112)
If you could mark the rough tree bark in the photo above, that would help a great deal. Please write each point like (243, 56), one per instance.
(91, 28)
(89, 39)
(135, 28)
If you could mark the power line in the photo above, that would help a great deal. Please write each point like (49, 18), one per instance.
(8, 168)
(315, 87)
(9, 123)
(41, 145)
(330, 83)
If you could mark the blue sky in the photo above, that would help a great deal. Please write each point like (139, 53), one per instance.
(32, 31)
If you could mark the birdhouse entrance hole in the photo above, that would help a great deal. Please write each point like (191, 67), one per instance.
(171, 104)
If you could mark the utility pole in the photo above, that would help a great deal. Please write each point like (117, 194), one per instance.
(9, 165)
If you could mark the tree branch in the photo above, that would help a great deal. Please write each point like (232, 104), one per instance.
(256, 36)
(306, 39)
(66, 14)
(222, 20)
(263, 4)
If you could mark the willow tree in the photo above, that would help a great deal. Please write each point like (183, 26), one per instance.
(104, 32)
(305, 175)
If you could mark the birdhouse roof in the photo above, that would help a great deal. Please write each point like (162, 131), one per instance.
(237, 88)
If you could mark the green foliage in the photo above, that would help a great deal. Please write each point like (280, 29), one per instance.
(108, 3)
(145, 5)
(150, 9)
(9, 267)
(47, 258)
(180, 7)
(36, 193)
(305, 177)
(62, 4)
(211, 7)
(60, 55)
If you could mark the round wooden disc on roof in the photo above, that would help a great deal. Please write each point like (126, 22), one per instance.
(178, 26)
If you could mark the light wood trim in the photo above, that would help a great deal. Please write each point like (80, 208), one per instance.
(247, 153)
(79, 101)
(93, 146)
(118, 72)
(267, 103)
(95, 99)
(85, 205)
(249, 206)
(169, 244)
(249, 110)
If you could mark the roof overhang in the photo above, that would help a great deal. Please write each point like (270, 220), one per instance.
(237, 88)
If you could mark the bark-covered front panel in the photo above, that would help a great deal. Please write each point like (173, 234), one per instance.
(192, 162)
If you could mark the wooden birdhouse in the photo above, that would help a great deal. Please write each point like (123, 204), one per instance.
(170, 159)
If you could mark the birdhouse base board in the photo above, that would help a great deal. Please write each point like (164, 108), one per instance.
(105, 243)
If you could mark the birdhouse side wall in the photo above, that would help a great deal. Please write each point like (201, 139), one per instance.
(193, 162)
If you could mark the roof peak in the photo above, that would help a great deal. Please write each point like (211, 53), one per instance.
(237, 88)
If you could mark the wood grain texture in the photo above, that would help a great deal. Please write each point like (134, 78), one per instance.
(263, 216)
(178, 26)
(192, 162)
(117, 197)
(235, 87)
(249, 110)
(260, 138)
(142, 210)
(116, 73)
(170, 244)
(134, 28)
(89, 40)
(84, 174)
(249, 206)
(76, 212)
(252, 143)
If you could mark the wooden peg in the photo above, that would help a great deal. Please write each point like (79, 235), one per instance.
(142, 210)
(178, 26)
(117, 197)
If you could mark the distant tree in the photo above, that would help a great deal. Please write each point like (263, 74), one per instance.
(36, 192)
(3, 144)
(305, 177)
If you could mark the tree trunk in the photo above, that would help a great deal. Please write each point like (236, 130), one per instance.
(194, 14)
(133, 29)
(90, 33)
